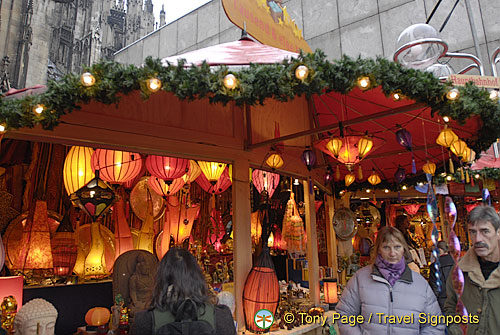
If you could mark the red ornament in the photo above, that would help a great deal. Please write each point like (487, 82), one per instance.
(167, 168)
(116, 167)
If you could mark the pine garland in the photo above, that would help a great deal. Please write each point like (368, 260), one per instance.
(256, 84)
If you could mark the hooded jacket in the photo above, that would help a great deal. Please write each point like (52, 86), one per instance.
(446, 263)
(481, 298)
(369, 293)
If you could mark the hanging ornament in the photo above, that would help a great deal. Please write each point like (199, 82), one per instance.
(429, 168)
(328, 177)
(374, 178)
(432, 210)
(360, 172)
(116, 167)
(365, 145)
(446, 137)
(274, 160)
(467, 178)
(462, 176)
(167, 168)
(308, 158)
(334, 146)
(496, 149)
(212, 170)
(404, 138)
(349, 179)
(265, 181)
(451, 167)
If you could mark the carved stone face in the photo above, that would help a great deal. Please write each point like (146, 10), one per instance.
(42, 326)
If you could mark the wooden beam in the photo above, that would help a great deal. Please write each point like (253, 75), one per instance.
(312, 245)
(347, 123)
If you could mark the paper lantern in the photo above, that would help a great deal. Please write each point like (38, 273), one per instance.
(328, 177)
(123, 235)
(278, 243)
(146, 233)
(374, 178)
(97, 316)
(222, 184)
(94, 198)
(403, 137)
(167, 168)
(365, 145)
(459, 148)
(13, 286)
(116, 167)
(400, 175)
(131, 183)
(330, 292)
(36, 252)
(212, 170)
(265, 181)
(308, 158)
(446, 137)
(164, 189)
(77, 170)
(334, 146)
(193, 173)
(274, 161)
(469, 156)
(261, 290)
(180, 218)
(95, 262)
(349, 179)
(64, 249)
(429, 168)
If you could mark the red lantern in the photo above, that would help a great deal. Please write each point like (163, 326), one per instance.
(163, 189)
(131, 183)
(97, 316)
(167, 168)
(116, 167)
(222, 184)
(264, 180)
(64, 249)
(261, 290)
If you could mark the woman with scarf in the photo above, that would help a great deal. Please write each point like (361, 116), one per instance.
(390, 297)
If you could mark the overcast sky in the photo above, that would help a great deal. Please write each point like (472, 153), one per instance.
(174, 9)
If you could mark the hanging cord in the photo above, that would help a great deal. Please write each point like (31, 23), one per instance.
(433, 11)
(449, 15)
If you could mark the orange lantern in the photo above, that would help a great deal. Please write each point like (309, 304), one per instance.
(164, 189)
(365, 145)
(349, 179)
(256, 226)
(429, 168)
(97, 316)
(459, 148)
(334, 146)
(77, 171)
(274, 160)
(446, 137)
(261, 291)
(193, 173)
(330, 292)
(123, 235)
(374, 178)
(116, 166)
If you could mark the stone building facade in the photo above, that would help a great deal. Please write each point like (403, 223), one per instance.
(368, 28)
(47, 38)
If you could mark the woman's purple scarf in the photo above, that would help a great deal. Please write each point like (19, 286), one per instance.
(391, 272)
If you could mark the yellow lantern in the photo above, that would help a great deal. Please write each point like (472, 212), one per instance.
(365, 144)
(459, 148)
(374, 178)
(334, 146)
(77, 171)
(193, 173)
(429, 168)
(212, 170)
(469, 156)
(349, 179)
(274, 161)
(446, 137)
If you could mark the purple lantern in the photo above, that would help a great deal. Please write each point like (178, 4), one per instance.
(403, 137)
(308, 158)
(328, 178)
(400, 175)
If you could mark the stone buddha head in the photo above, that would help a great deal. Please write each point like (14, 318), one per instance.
(37, 316)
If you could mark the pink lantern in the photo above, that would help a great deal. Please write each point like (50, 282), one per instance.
(164, 189)
(116, 167)
(222, 184)
(411, 209)
(167, 168)
(264, 180)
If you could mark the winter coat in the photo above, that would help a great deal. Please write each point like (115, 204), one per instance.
(446, 263)
(368, 293)
(480, 297)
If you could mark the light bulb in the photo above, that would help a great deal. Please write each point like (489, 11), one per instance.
(368, 190)
(448, 178)
(386, 191)
(39, 108)
(494, 95)
(363, 83)
(296, 182)
(453, 94)
(87, 79)
(404, 188)
(396, 96)
(301, 72)
(154, 84)
(446, 118)
(230, 81)
(2, 128)
(477, 176)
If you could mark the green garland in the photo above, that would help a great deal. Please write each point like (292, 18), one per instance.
(256, 84)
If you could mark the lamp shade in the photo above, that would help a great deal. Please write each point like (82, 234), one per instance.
(374, 178)
(167, 168)
(77, 170)
(261, 290)
(115, 166)
(13, 286)
(308, 158)
(403, 137)
(446, 137)
(97, 316)
(212, 170)
(469, 155)
(162, 188)
(274, 161)
(64, 248)
(265, 181)
(181, 218)
(334, 146)
(94, 198)
(330, 290)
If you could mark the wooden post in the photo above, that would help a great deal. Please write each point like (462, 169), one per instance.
(241, 234)
(312, 245)
(331, 238)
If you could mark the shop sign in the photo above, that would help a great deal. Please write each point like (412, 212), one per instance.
(479, 81)
(268, 22)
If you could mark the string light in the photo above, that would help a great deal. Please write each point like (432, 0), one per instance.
(2, 128)
(396, 96)
(230, 81)
(39, 108)
(404, 187)
(301, 72)
(386, 191)
(153, 84)
(453, 94)
(87, 79)
(477, 176)
(363, 83)
(494, 95)
(446, 118)
(448, 178)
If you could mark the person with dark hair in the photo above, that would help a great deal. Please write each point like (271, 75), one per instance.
(181, 293)
(481, 293)
(446, 263)
(388, 290)
(403, 224)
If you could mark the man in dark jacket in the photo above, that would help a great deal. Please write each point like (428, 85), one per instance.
(481, 295)
(446, 263)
